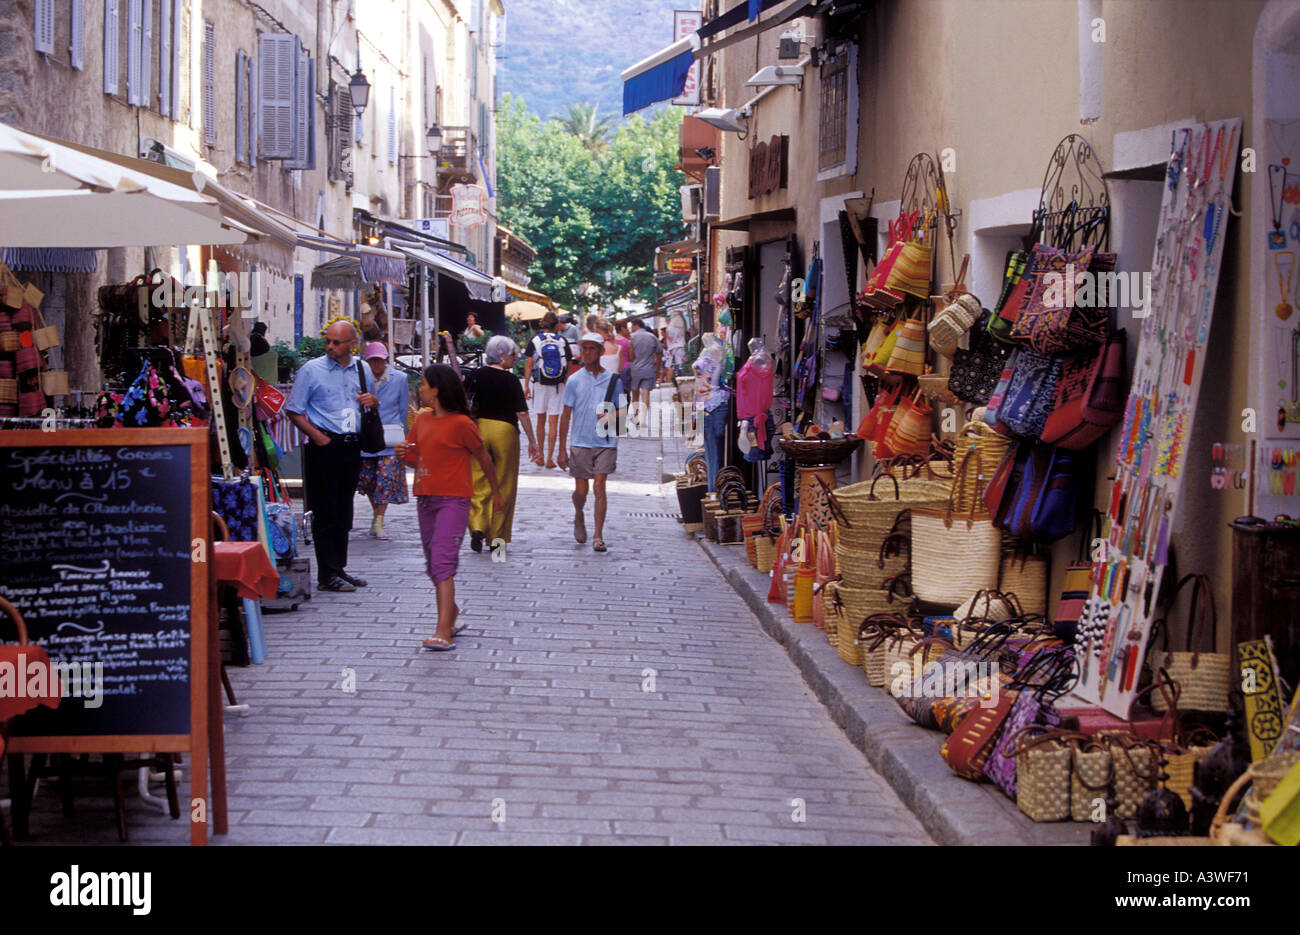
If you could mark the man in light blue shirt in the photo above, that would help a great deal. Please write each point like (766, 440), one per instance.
(591, 407)
(325, 404)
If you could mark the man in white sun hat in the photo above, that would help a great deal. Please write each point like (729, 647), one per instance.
(591, 403)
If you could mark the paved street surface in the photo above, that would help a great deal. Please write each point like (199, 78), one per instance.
(625, 698)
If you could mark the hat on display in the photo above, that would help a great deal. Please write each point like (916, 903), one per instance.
(593, 337)
(376, 349)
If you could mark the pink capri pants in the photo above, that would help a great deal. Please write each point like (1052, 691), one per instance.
(443, 521)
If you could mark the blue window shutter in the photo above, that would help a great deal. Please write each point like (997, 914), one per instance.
(175, 112)
(43, 26)
(393, 125)
(111, 67)
(135, 26)
(77, 34)
(209, 82)
(250, 84)
(275, 95)
(165, 58)
(310, 155)
(241, 114)
(303, 118)
(146, 56)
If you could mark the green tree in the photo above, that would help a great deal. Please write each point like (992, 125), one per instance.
(589, 213)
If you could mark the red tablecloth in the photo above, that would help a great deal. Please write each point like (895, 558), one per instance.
(245, 565)
(18, 665)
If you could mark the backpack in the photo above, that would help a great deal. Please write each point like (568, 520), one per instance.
(554, 357)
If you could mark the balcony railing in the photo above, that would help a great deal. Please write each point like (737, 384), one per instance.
(459, 153)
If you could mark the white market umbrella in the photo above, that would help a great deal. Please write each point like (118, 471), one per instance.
(55, 196)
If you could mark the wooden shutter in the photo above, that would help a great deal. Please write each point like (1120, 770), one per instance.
(110, 46)
(304, 116)
(146, 56)
(275, 96)
(76, 34)
(175, 111)
(209, 82)
(135, 26)
(43, 27)
(241, 113)
(392, 125)
(165, 58)
(250, 84)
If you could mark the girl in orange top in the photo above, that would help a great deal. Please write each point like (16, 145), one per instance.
(440, 445)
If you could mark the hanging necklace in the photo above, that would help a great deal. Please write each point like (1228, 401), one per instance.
(1283, 309)
(1276, 189)
(1176, 156)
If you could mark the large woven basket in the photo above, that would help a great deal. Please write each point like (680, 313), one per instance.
(812, 452)
(764, 553)
(1025, 576)
(953, 555)
(832, 612)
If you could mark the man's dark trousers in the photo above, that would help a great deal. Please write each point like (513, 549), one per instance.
(330, 475)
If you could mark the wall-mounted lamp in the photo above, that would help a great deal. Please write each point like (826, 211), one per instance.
(777, 75)
(724, 118)
(434, 139)
(360, 89)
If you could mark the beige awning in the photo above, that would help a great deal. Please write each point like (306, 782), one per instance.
(53, 195)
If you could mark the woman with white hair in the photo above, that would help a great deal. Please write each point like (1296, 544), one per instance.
(497, 403)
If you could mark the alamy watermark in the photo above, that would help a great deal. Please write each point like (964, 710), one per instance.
(30, 677)
(947, 679)
(1086, 289)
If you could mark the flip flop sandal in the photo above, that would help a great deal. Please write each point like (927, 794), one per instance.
(438, 644)
(458, 626)
(598, 545)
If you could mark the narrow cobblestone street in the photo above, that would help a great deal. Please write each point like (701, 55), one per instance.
(540, 712)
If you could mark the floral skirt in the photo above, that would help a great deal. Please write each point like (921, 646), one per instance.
(383, 479)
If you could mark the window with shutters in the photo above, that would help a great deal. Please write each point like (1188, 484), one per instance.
(838, 118)
(111, 61)
(76, 34)
(43, 26)
(165, 57)
(304, 115)
(134, 32)
(339, 134)
(146, 53)
(209, 83)
(241, 108)
(276, 89)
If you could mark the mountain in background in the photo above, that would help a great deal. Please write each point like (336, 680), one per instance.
(562, 52)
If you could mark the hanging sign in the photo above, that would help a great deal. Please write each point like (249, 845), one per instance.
(468, 205)
(685, 23)
(679, 264)
(768, 164)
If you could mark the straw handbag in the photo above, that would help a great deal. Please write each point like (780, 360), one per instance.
(1024, 574)
(953, 554)
(908, 355)
(833, 619)
(909, 429)
(957, 313)
(1136, 765)
(1044, 766)
(911, 271)
(1091, 773)
(1205, 678)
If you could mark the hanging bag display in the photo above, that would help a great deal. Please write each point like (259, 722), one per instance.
(1007, 308)
(1054, 319)
(1090, 395)
(908, 432)
(908, 355)
(975, 372)
(1057, 506)
(1023, 407)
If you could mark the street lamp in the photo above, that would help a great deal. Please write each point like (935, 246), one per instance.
(434, 138)
(360, 89)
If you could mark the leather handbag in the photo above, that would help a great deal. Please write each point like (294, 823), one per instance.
(1090, 395)
(372, 427)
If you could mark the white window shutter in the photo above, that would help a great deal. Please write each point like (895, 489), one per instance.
(392, 125)
(134, 27)
(110, 46)
(146, 56)
(165, 58)
(310, 155)
(175, 111)
(301, 110)
(77, 34)
(241, 115)
(209, 82)
(43, 26)
(275, 94)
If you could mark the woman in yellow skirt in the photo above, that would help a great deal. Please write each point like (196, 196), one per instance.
(497, 399)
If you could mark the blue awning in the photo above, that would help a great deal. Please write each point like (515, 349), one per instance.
(662, 76)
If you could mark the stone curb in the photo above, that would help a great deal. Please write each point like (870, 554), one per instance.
(951, 809)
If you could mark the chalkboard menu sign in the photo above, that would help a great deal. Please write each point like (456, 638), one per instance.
(95, 547)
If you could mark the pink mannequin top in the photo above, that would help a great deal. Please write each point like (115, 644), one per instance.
(754, 398)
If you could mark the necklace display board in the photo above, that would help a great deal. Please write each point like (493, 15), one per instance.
(104, 542)
(1158, 418)
(1280, 423)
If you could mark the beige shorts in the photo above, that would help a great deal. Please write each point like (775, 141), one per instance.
(548, 400)
(586, 463)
